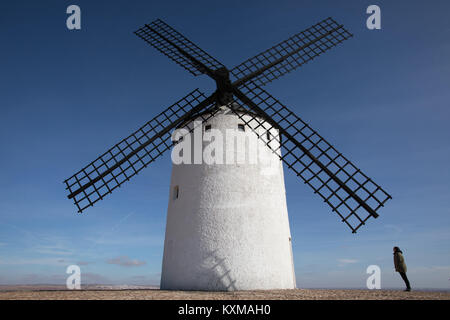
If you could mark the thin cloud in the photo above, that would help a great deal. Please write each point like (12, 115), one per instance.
(94, 278)
(36, 261)
(124, 261)
(113, 240)
(394, 228)
(344, 262)
(53, 250)
(56, 279)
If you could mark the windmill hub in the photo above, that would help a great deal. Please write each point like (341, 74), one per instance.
(224, 87)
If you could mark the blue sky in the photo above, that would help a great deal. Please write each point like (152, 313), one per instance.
(382, 98)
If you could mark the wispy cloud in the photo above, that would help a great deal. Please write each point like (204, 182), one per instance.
(58, 250)
(36, 261)
(38, 278)
(124, 261)
(94, 278)
(111, 231)
(344, 262)
(114, 240)
(394, 228)
(430, 269)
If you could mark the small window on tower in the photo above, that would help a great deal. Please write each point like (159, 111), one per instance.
(177, 141)
(176, 192)
(241, 127)
(268, 136)
(207, 127)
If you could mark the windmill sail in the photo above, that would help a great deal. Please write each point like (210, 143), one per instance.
(291, 53)
(125, 159)
(345, 188)
(177, 47)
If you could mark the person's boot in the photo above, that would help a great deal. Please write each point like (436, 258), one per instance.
(407, 289)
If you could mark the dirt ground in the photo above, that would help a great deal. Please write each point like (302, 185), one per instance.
(155, 294)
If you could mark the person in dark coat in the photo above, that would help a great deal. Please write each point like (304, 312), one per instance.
(400, 266)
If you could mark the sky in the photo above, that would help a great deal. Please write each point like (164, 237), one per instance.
(381, 98)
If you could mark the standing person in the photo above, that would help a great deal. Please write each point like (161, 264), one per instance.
(400, 266)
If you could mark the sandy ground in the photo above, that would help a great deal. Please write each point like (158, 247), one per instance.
(155, 294)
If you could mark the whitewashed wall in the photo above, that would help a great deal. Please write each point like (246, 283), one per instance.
(229, 228)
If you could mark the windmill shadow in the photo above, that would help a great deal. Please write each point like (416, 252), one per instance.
(218, 275)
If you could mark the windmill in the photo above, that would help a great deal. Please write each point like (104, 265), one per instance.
(227, 226)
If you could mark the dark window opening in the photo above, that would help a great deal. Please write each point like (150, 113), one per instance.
(177, 141)
(176, 192)
(207, 127)
(241, 127)
(268, 135)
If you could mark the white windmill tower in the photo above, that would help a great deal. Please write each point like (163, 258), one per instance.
(227, 224)
(227, 220)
